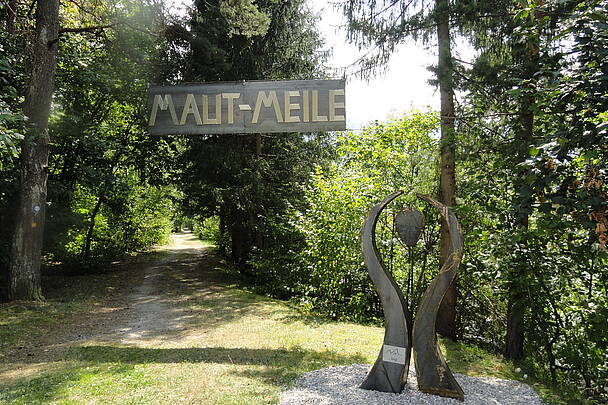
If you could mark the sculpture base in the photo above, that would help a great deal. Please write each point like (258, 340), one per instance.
(386, 377)
(340, 385)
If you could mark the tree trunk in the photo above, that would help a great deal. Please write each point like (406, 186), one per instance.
(446, 317)
(222, 236)
(26, 249)
(10, 9)
(87, 245)
(517, 303)
(255, 221)
(102, 196)
(241, 242)
(258, 145)
(514, 340)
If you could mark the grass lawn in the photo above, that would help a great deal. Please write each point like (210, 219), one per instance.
(234, 347)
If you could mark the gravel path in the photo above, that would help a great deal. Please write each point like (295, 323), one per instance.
(340, 386)
(152, 315)
(145, 311)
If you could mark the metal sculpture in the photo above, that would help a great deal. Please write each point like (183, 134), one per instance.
(389, 373)
(433, 374)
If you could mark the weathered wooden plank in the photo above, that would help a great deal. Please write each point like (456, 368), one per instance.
(247, 107)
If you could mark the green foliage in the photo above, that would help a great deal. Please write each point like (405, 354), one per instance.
(208, 229)
(398, 155)
(568, 182)
(137, 219)
(244, 18)
(106, 193)
(11, 120)
(278, 268)
(252, 185)
(548, 75)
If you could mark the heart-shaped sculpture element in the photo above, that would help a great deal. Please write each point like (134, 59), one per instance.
(409, 224)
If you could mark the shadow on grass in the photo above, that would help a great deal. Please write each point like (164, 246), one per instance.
(276, 367)
(218, 355)
(296, 314)
(185, 289)
(220, 275)
(184, 292)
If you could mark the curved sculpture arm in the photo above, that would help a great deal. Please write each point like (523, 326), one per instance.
(433, 374)
(389, 373)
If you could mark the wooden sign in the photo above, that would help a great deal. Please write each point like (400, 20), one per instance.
(247, 107)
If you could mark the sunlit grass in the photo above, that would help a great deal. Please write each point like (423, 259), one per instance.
(236, 347)
(244, 351)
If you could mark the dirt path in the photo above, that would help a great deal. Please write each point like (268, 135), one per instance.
(173, 327)
(147, 311)
(151, 314)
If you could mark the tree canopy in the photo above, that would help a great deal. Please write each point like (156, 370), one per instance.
(519, 150)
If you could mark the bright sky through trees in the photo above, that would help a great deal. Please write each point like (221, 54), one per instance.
(403, 86)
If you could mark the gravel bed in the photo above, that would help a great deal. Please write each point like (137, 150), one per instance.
(340, 386)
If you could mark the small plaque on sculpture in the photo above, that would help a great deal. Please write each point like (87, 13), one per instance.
(393, 354)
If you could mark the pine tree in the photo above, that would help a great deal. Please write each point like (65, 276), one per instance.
(244, 179)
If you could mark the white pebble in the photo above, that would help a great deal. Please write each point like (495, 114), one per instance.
(340, 386)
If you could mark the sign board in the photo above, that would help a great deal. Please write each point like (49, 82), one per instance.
(247, 107)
